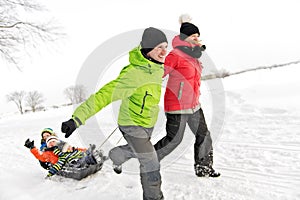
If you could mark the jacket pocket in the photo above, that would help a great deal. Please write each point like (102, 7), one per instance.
(180, 90)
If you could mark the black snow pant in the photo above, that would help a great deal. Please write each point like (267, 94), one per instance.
(175, 128)
(139, 146)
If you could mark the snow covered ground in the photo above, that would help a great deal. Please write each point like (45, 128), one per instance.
(257, 152)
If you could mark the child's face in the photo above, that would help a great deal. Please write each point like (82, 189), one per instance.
(52, 143)
(46, 135)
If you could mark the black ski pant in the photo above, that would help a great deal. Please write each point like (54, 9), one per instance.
(175, 127)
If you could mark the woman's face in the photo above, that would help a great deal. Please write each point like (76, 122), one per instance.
(193, 39)
(46, 135)
(159, 52)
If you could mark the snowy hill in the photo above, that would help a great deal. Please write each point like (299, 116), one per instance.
(257, 152)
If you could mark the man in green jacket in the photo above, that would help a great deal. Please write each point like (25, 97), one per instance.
(138, 86)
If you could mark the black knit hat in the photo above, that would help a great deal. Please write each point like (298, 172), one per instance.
(187, 29)
(151, 38)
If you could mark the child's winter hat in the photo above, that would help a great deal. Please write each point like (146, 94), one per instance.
(187, 29)
(47, 130)
(151, 38)
(51, 138)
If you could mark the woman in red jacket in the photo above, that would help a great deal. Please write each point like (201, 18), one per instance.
(181, 100)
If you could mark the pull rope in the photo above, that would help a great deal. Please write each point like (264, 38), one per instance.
(119, 140)
(108, 137)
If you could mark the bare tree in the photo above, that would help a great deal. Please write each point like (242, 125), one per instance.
(224, 73)
(17, 98)
(76, 94)
(34, 99)
(18, 30)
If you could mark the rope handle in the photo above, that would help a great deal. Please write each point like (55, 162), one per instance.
(108, 137)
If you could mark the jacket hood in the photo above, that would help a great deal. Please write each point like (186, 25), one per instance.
(137, 59)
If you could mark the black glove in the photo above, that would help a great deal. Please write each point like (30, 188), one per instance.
(68, 127)
(29, 144)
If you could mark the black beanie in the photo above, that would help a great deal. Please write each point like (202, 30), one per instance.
(151, 38)
(187, 29)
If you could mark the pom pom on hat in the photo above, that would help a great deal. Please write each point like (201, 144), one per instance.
(184, 18)
(51, 138)
(187, 29)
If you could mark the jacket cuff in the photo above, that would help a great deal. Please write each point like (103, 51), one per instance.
(77, 121)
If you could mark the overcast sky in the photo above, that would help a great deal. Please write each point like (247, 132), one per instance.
(238, 34)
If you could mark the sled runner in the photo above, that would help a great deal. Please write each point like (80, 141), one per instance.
(80, 173)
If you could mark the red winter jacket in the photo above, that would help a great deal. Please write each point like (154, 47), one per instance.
(183, 86)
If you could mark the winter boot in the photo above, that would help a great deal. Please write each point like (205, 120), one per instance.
(117, 168)
(203, 168)
(91, 149)
(98, 155)
(213, 173)
(205, 171)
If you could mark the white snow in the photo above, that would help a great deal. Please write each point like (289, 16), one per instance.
(257, 152)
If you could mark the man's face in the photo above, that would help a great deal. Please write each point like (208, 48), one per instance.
(159, 52)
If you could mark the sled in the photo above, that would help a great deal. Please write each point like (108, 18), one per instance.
(80, 173)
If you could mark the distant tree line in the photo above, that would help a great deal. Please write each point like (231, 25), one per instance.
(34, 99)
(76, 94)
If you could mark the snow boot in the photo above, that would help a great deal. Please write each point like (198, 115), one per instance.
(98, 155)
(213, 173)
(117, 168)
(205, 171)
(203, 168)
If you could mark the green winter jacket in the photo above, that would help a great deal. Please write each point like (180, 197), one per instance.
(138, 86)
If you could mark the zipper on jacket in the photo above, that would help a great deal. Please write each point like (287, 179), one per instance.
(144, 101)
(180, 90)
(149, 68)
